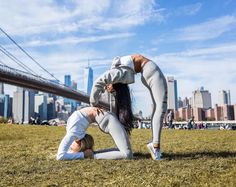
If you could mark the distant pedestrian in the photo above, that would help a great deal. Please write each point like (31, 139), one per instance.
(140, 124)
(190, 123)
(170, 117)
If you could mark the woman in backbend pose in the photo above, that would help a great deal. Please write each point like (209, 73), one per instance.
(78, 145)
(123, 70)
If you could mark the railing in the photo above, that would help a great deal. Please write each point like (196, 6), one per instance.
(207, 122)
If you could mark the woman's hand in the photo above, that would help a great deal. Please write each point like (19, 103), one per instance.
(109, 88)
(98, 111)
(88, 153)
(75, 147)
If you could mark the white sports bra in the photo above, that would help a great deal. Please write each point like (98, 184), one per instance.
(124, 61)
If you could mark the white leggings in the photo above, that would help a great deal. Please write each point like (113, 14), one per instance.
(109, 123)
(155, 81)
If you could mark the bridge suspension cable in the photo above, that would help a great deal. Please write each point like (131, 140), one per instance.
(27, 54)
(17, 61)
(1, 62)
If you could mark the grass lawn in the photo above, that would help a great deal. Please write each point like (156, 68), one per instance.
(190, 158)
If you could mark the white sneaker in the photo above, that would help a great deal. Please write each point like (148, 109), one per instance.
(155, 153)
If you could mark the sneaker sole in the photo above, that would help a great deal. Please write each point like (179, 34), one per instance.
(151, 152)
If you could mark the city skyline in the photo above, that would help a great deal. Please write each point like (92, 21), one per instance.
(193, 42)
(198, 101)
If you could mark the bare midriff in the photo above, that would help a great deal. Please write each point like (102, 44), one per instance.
(139, 62)
(91, 112)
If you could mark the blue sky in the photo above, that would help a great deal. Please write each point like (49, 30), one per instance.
(194, 41)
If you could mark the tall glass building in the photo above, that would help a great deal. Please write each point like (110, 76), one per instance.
(7, 106)
(1, 105)
(224, 97)
(1, 88)
(67, 80)
(23, 105)
(88, 79)
(172, 101)
(202, 98)
(40, 106)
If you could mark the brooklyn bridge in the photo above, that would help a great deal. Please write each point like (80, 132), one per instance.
(23, 79)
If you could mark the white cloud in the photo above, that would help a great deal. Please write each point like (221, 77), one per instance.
(33, 16)
(207, 30)
(37, 17)
(191, 9)
(88, 8)
(77, 40)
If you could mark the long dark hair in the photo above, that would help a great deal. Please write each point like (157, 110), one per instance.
(123, 106)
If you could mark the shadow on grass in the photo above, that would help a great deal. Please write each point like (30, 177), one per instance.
(191, 155)
(139, 155)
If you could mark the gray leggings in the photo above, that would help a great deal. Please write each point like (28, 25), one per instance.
(155, 81)
(109, 123)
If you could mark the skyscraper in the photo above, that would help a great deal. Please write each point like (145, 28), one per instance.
(28, 105)
(224, 97)
(1, 88)
(51, 108)
(172, 102)
(23, 105)
(74, 85)
(88, 79)
(1, 105)
(18, 106)
(229, 97)
(180, 103)
(186, 102)
(67, 81)
(202, 98)
(7, 106)
(41, 106)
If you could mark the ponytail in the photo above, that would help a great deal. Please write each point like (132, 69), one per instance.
(123, 106)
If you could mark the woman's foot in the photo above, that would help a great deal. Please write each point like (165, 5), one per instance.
(154, 151)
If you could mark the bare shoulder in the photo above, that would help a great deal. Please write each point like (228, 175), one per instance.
(139, 58)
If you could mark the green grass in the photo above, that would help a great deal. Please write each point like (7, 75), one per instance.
(190, 158)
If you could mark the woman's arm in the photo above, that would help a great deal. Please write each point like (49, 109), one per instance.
(63, 149)
(113, 76)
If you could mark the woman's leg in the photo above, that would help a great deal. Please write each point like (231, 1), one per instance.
(157, 86)
(159, 97)
(110, 124)
(155, 81)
